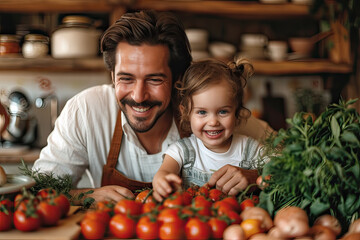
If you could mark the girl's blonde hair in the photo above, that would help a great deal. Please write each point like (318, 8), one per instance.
(204, 73)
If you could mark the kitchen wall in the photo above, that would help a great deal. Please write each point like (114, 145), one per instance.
(39, 84)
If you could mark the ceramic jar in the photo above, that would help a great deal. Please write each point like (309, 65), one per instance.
(35, 45)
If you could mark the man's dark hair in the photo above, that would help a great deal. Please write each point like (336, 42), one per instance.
(151, 28)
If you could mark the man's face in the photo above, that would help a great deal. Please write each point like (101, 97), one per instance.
(143, 83)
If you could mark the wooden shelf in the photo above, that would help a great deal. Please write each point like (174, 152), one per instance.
(248, 10)
(50, 64)
(29, 156)
(263, 67)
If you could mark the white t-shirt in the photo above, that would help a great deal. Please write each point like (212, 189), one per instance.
(243, 152)
(82, 136)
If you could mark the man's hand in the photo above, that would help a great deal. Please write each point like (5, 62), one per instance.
(231, 179)
(112, 193)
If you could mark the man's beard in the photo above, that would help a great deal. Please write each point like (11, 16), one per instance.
(138, 125)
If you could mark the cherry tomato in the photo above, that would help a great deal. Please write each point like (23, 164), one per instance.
(106, 206)
(203, 190)
(5, 220)
(147, 227)
(218, 227)
(169, 215)
(64, 204)
(234, 217)
(172, 230)
(192, 190)
(247, 203)
(127, 206)
(233, 202)
(122, 226)
(197, 229)
(216, 194)
(8, 204)
(49, 213)
(222, 207)
(144, 197)
(46, 193)
(203, 205)
(255, 199)
(92, 229)
(98, 215)
(25, 222)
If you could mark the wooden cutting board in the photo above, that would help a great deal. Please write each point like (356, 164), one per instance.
(67, 229)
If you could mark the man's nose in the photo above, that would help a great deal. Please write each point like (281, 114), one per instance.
(139, 92)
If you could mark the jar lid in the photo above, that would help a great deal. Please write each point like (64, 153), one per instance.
(72, 19)
(8, 38)
(36, 37)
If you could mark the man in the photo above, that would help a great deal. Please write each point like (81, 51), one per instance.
(119, 132)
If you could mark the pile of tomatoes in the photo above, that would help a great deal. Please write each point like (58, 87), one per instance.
(197, 213)
(29, 212)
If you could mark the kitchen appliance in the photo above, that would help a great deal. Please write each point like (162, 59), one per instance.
(22, 127)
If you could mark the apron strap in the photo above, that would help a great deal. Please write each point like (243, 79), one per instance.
(115, 143)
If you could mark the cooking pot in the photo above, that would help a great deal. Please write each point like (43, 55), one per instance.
(75, 38)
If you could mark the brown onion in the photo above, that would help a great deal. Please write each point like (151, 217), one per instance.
(234, 232)
(292, 222)
(355, 227)
(329, 221)
(319, 232)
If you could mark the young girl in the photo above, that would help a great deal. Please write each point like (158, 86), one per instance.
(211, 106)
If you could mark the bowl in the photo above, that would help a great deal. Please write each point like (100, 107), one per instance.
(302, 46)
(222, 49)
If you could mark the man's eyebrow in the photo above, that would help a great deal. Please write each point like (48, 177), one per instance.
(123, 73)
(157, 75)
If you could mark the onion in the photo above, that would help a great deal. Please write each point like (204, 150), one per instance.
(258, 213)
(355, 227)
(234, 232)
(292, 222)
(319, 232)
(329, 221)
(351, 236)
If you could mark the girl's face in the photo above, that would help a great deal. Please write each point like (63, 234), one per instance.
(212, 117)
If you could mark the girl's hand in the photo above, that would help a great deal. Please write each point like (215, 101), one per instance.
(164, 185)
(231, 179)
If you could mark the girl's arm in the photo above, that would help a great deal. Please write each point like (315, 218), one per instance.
(166, 179)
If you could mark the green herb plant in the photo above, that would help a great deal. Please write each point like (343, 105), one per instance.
(315, 165)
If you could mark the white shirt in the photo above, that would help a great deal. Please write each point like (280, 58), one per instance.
(243, 152)
(82, 136)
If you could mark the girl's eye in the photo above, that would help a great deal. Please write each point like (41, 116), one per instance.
(222, 112)
(201, 112)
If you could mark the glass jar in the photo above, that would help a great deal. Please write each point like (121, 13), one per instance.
(75, 38)
(35, 45)
(9, 44)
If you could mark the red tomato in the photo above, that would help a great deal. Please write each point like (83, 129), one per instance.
(218, 227)
(197, 229)
(172, 230)
(222, 207)
(26, 223)
(127, 206)
(98, 215)
(169, 215)
(49, 212)
(234, 217)
(203, 205)
(106, 206)
(145, 196)
(64, 204)
(247, 203)
(174, 200)
(5, 221)
(216, 194)
(233, 202)
(148, 207)
(255, 199)
(46, 193)
(9, 205)
(122, 226)
(147, 227)
(92, 229)
(192, 190)
(203, 190)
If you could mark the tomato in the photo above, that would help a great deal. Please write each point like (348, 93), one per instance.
(247, 203)
(202, 205)
(98, 215)
(169, 215)
(172, 230)
(92, 229)
(25, 222)
(64, 204)
(5, 220)
(218, 227)
(192, 190)
(49, 213)
(147, 227)
(46, 193)
(234, 203)
(127, 206)
(234, 217)
(251, 227)
(8, 204)
(106, 206)
(122, 226)
(255, 199)
(148, 207)
(145, 196)
(222, 207)
(197, 229)
(203, 190)
(174, 200)
(216, 194)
